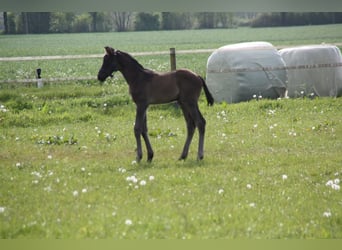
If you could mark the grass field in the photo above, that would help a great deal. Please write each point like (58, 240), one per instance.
(93, 43)
(272, 168)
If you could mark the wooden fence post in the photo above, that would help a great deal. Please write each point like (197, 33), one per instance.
(173, 58)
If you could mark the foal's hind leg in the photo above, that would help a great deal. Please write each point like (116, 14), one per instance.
(200, 123)
(194, 119)
(190, 124)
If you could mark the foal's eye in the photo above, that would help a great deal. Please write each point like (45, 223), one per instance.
(106, 58)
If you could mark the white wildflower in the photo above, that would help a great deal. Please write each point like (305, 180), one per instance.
(284, 177)
(252, 204)
(3, 108)
(37, 174)
(334, 184)
(48, 189)
(329, 183)
(122, 170)
(2, 210)
(75, 193)
(271, 112)
(327, 214)
(151, 178)
(142, 183)
(292, 133)
(249, 186)
(128, 222)
(221, 191)
(132, 179)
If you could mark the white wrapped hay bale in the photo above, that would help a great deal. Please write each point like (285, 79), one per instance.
(239, 72)
(313, 70)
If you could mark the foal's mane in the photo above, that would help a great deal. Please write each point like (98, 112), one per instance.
(134, 61)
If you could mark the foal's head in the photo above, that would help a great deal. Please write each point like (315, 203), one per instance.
(110, 64)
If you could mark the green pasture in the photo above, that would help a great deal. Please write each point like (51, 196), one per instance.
(93, 43)
(272, 168)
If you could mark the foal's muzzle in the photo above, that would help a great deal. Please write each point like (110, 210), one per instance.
(101, 76)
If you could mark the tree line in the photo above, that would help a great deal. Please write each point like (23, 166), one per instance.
(70, 22)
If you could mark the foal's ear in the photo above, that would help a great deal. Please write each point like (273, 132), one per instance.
(109, 50)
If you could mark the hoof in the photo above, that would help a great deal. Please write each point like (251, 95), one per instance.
(138, 159)
(182, 158)
(150, 157)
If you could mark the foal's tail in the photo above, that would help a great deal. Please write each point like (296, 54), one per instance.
(208, 95)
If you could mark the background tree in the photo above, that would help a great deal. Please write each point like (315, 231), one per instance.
(61, 22)
(11, 24)
(206, 20)
(296, 18)
(146, 21)
(121, 21)
(176, 21)
(65, 22)
(5, 23)
(93, 16)
(82, 23)
(34, 22)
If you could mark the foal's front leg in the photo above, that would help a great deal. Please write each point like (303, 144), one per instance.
(139, 117)
(147, 140)
(140, 129)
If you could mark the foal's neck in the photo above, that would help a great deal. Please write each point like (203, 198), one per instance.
(135, 73)
(131, 76)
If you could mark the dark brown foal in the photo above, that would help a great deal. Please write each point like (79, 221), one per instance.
(148, 87)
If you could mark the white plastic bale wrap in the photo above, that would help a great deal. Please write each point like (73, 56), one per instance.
(240, 71)
(313, 70)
